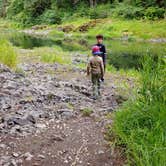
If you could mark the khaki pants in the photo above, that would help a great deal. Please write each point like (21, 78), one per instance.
(96, 84)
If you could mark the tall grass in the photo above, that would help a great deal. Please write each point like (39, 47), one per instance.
(4, 23)
(7, 54)
(140, 125)
(54, 54)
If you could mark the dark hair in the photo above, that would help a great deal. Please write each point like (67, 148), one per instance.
(99, 37)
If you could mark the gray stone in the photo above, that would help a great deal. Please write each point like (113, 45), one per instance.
(28, 156)
(41, 156)
(31, 119)
(57, 138)
(2, 146)
(14, 154)
(41, 126)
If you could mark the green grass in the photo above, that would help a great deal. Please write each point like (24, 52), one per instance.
(115, 28)
(54, 54)
(144, 29)
(4, 23)
(140, 125)
(8, 55)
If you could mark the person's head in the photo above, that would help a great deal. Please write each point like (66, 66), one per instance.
(99, 39)
(96, 50)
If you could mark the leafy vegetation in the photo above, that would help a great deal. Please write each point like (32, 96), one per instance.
(140, 124)
(7, 54)
(33, 12)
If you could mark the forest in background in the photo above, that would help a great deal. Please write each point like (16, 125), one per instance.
(32, 12)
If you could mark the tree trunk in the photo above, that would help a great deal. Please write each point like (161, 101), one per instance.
(4, 5)
(93, 3)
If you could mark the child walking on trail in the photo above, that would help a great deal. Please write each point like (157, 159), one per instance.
(103, 55)
(96, 69)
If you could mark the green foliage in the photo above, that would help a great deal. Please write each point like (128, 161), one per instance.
(7, 54)
(99, 12)
(140, 124)
(147, 3)
(36, 7)
(128, 12)
(34, 12)
(132, 12)
(51, 17)
(153, 13)
(153, 79)
(15, 7)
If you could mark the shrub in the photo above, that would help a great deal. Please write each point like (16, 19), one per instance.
(24, 19)
(129, 12)
(51, 17)
(153, 13)
(14, 8)
(7, 54)
(95, 14)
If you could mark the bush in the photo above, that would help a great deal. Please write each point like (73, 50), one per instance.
(129, 12)
(24, 19)
(153, 13)
(7, 54)
(95, 14)
(51, 17)
(14, 8)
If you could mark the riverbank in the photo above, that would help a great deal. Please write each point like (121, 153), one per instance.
(111, 28)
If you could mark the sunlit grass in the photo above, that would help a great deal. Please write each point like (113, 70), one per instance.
(53, 55)
(134, 28)
(140, 124)
(4, 23)
(8, 55)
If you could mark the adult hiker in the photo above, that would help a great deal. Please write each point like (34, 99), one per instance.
(95, 67)
(100, 44)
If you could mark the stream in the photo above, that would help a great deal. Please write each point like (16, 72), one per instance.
(121, 53)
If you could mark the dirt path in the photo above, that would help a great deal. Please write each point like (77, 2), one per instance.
(42, 120)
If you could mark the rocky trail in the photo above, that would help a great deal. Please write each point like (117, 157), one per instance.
(43, 122)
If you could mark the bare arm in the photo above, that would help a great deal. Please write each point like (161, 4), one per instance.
(88, 68)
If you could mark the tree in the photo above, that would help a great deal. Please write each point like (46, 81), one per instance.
(3, 6)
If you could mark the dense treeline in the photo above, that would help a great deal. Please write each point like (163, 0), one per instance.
(30, 12)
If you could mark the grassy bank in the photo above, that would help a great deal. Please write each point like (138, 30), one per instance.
(117, 28)
(140, 125)
(110, 27)
(138, 29)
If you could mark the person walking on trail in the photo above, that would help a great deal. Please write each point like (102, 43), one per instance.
(95, 67)
(100, 44)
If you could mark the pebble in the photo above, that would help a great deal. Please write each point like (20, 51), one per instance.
(41, 156)
(15, 154)
(28, 156)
